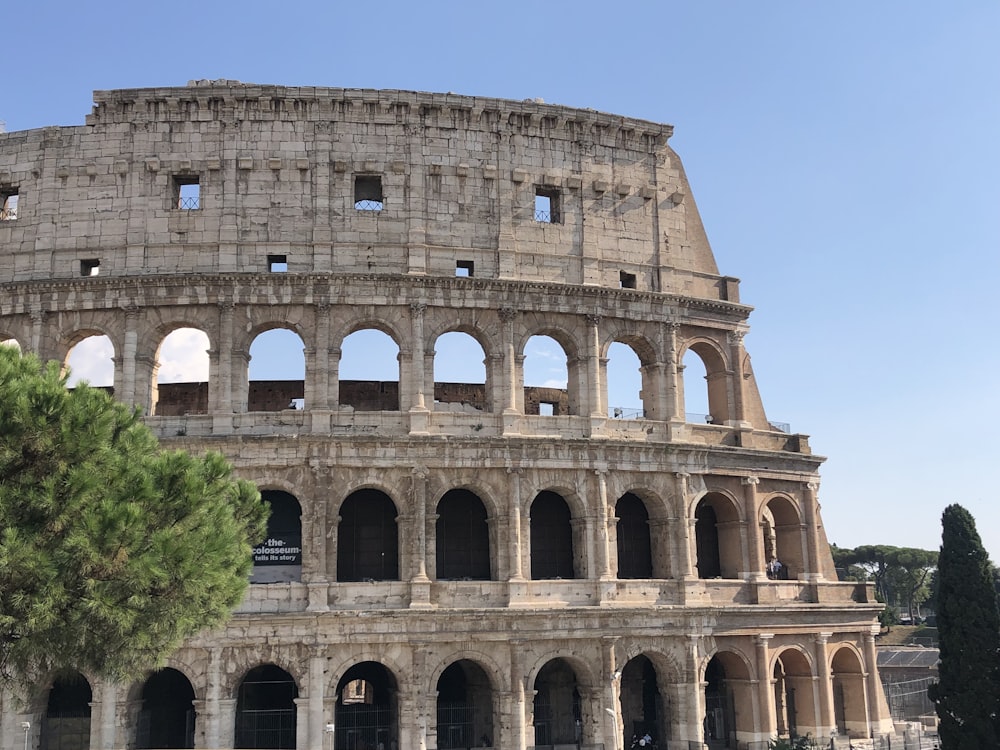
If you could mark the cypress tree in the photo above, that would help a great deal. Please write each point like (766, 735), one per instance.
(967, 693)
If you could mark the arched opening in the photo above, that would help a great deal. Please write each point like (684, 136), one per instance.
(546, 378)
(782, 531)
(367, 538)
(464, 707)
(462, 537)
(558, 715)
(92, 360)
(265, 709)
(793, 695)
(277, 371)
(644, 707)
(729, 720)
(166, 718)
(850, 710)
(278, 558)
(718, 545)
(181, 385)
(709, 402)
(551, 537)
(460, 375)
(635, 554)
(366, 713)
(13, 343)
(369, 371)
(624, 376)
(66, 724)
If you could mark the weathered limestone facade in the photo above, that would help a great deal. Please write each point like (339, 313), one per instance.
(469, 574)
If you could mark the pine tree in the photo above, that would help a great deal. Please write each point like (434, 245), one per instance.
(967, 693)
(112, 551)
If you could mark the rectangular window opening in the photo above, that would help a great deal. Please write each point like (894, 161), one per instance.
(8, 204)
(464, 268)
(547, 205)
(90, 267)
(368, 192)
(626, 280)
(277, 263)
(547, 409)
(187, 192)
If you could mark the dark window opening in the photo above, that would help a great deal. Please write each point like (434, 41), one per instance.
(277, 263)
(707, 542)
(626, 280)
(265, 709)
(8, 204)
(368, 192)
(66, 723)
(464, 268)
(547, 408)
(278, 558)
(547, 205)
(635, 559)
(367, 540)
(187, 192)
(463, 541)
(90, 267)
(551, 538)
(166, 719)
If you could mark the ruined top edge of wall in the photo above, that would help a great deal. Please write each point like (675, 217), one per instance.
(224, 98)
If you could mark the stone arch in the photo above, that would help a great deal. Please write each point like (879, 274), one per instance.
(794, 692)
(644, 700)
(718, 541)
(166, 715)
(359, 390)
(275, 391)
(633, 537)
(462, 538)
(472, 392)
(617, 379)
(265, 709)
(562, 399)
(170, 395)
(66, 720)
(278, 558)
(553, 543)
(7, 339)
(728, 699)
(783, 537)
(466, 707)
(366, 709)
(368, 537)
(717, 378)
(101, 367)
(850, 707)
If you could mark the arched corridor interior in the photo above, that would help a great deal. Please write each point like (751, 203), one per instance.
(365, 717)
(66, 724)
(551, 538)
(166, 715)
(367, 539)
(464, 707)
(643, 707)
(635, 557)
(557, 712)
(265, 709)
(462, 538)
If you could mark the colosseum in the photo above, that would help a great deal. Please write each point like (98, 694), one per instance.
(493, 561)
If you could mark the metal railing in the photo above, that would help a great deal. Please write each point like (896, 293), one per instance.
(368, 205)
(189, 204)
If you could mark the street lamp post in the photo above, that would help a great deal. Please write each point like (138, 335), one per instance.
(26, 726)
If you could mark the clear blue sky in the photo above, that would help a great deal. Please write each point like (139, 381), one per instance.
(845, 158)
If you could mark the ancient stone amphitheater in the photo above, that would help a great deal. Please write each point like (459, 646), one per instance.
(500, 563)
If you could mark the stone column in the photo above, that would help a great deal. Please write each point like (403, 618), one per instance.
(316, 719)
(755, 571)
(873, 688)
(419, 478)
(736, 354)
(514, 513)
(612, 674)
(811, 504)
(302, 739)
(673, 396)
(38, 337)
(220, 377)
(685, 564)
(594, 366)
(825, 719)
(109, 704)
(213, 695)
(227, 723)
(130, 345)
(767, 723)
(519, 698)
(317, 393)
(602, 550)
(691, 723)
(416, 389)
(509, 385)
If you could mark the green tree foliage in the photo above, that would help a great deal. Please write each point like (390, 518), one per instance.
(967, 693)
(902, 575)
(111, 550)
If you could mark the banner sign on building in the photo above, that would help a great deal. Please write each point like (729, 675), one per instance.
(277, 551)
